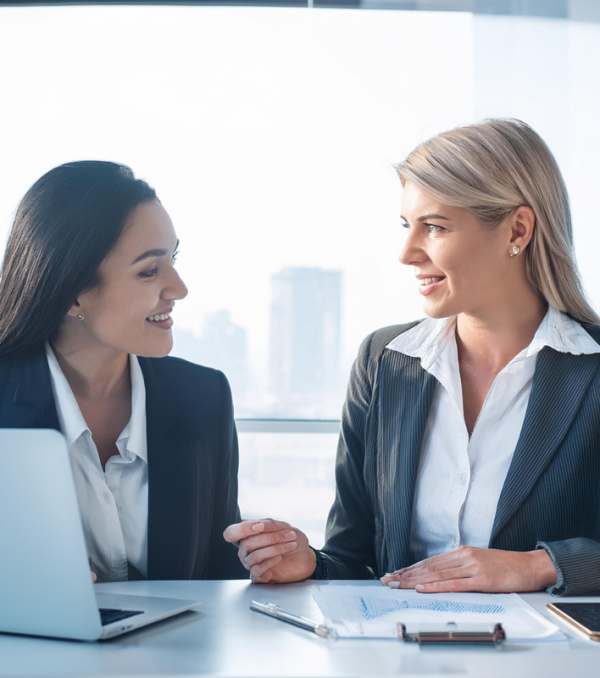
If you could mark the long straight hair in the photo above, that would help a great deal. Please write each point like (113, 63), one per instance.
(491, 169)
(65, 225)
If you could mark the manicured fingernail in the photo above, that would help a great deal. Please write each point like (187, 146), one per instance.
(419, 587)
(394, 584)
(291, 545)
(289, 535)
(257, 526)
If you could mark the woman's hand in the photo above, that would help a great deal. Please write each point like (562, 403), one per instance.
(94, 578)
(273, 551)
(475, 569)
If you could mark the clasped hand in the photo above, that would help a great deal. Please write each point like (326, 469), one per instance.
(273, 551)
(477, 569)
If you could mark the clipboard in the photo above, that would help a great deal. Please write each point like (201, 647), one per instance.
(453, 634)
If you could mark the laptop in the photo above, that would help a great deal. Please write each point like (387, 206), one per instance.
(45, 582)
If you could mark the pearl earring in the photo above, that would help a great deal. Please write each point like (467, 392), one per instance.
(516, 249)
(80, 316)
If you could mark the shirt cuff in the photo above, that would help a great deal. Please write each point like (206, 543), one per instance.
(561, 585)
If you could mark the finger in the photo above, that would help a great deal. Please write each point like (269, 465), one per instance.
(239, 531)
(442, 575)
(269, 539)
(257, 572)
(275, 525)
(443, 557)
(94, 578)
(442, 566)
(264, 554)
(437, 562)
(450, 586)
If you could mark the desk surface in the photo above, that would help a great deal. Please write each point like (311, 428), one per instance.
(224, 638)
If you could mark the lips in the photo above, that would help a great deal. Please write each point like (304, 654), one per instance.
(429, 283)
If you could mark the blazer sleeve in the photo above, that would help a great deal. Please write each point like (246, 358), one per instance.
(349, 551)
(577, 560)
(223, 560)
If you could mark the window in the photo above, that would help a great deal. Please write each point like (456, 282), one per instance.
(270, 135)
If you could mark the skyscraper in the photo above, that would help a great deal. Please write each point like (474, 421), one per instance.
(222, 346)
(305, 339)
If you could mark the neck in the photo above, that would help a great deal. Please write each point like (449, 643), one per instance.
(94, 372)
(490, 339)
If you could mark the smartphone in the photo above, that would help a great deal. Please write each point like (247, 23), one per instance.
(583, 616)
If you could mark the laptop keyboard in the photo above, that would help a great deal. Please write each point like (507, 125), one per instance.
(108, 616)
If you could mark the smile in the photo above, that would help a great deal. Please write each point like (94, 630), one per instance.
(429, 285)
(158, 318)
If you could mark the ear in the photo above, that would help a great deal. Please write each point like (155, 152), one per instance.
(522, 225)
(75, 310)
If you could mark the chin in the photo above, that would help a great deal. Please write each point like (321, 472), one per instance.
(437, 312)
(155, 349)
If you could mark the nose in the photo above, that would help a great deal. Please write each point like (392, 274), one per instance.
(176, 289)
(412, 252)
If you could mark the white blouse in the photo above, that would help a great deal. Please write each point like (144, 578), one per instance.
(113, 503)
(460, 478)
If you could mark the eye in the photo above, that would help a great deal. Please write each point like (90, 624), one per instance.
(174, 257)
(404, 224)
(150, 273)
(434, 227)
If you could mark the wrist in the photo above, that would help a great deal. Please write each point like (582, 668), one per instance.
(543, 569)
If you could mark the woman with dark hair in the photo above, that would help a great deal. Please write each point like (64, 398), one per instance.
(87, 289)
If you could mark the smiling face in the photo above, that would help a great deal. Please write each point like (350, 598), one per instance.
(461, 265)
(129, 310)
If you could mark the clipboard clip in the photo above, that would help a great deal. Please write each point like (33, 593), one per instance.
(454, 635)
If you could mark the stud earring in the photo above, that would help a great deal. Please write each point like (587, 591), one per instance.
(515, 250)
(80, 316)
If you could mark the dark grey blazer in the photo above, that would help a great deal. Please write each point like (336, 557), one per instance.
(192, 458)
(551, 496)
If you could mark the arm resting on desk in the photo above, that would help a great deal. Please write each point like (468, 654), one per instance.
(577, 563)
(349, 551)
(224, 563)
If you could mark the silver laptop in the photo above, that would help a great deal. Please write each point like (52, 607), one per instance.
(45, 582)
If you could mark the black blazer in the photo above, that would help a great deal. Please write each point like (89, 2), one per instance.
(192, 458)
(551, 495)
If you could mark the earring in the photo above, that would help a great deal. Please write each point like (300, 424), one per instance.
(80, 316)
(516, 249)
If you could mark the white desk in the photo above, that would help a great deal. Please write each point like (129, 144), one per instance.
(224, 638)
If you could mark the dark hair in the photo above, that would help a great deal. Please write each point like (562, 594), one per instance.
(66, 224)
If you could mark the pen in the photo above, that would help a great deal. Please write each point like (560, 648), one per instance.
(275, 611)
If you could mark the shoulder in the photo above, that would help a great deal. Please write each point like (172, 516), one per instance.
(375, 343)
(592, 330)
(182, 375)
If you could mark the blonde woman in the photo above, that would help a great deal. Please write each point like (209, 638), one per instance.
(469, 455)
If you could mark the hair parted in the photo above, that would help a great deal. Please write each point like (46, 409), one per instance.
(493, 167)
(65, 225)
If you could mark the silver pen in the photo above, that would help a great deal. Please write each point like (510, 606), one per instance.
(276, 612)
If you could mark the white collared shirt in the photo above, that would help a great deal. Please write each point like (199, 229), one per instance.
(113, 503)
(460, 479)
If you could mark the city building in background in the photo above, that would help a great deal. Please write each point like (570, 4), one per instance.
(304, 355)
(222, 345)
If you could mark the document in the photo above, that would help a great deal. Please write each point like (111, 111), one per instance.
(374, 612)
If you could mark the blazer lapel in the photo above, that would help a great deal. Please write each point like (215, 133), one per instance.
(28, 401)
(559, 385)
(405, 400)
(172, 483)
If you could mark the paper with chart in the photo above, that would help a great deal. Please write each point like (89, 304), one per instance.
(374, 611)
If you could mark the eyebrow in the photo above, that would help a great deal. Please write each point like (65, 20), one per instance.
(426, 217)
(153, 253)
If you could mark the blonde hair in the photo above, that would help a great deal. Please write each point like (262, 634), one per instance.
(491, 169)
